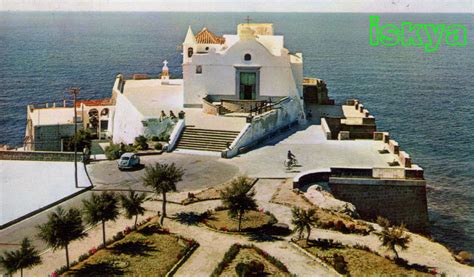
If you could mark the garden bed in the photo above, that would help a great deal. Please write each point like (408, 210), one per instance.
(212, 193)
(150, 251)
(251, 220)
(246, 254)
(359, 261)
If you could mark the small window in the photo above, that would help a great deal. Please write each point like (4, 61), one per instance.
(198, 69)
(247, 57)
(207, 48)
(190, 52)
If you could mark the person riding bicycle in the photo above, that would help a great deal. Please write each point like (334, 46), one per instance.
(290, 157)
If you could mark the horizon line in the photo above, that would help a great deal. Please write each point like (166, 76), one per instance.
(177, 11)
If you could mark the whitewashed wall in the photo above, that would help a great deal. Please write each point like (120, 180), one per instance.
(127, 121)
(218, 72)
(266, 124)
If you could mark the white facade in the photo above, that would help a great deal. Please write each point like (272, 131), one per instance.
(215, 72)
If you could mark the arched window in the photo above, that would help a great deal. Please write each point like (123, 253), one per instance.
(104, 112)
(247, 57)
(190, 52)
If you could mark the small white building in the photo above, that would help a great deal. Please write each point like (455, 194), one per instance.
(251, 65)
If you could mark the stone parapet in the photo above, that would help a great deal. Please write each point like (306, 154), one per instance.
(400, 201)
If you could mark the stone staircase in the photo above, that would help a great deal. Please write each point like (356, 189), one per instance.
(205, 139)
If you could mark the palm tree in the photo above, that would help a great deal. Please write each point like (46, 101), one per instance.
(239, 198)
(162, 178)
(133, 204)
(61, 229)
(25, 257)
(303, 220)
(393, 236)
(101, 208)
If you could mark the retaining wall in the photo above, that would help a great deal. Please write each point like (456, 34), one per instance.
(39, 156)
(400, 201)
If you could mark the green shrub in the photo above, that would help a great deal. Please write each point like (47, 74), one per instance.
(155, 138)
(83, 257)
(340, 264)
(141, 143)
(83, 138)
(253, 268)
(112, 152)
(158, 146)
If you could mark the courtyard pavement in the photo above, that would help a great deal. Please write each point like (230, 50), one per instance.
(312, 150)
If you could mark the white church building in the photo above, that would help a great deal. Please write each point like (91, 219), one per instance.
(236, 90)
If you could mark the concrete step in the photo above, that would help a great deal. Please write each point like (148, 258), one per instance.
(206, 139)
(211, 131)
(203, 143)
(201, 148)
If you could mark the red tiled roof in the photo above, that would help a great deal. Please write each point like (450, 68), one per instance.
(95, 102)
(208, 37)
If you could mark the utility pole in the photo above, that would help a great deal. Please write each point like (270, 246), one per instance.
(75, 92)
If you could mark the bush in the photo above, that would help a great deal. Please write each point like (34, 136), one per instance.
(112, 152)
(141, 143)
(155, 138)
(220, 208)
(83, 138)
(250, 269)
(340, 264)
(83, 257)
(158, 146)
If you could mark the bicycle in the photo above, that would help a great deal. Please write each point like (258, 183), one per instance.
(290, 163)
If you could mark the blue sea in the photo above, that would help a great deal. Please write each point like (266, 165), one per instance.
(425, 100)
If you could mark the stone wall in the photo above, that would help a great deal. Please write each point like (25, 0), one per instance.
(393, 147)
(401, 201)
(39, 156)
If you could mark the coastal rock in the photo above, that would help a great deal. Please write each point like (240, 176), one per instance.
(323, 199)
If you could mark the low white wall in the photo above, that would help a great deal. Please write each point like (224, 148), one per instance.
(326, 129)
(178, 128)
(264, 124)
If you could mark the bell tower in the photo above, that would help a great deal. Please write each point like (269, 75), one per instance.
(189, 46)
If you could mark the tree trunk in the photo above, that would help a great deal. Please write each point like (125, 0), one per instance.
(163, 209)
(67, 257)
(136, 219)
(240, 220)
(396, 253)
(21, 272)
(103, 233)
(309, 233)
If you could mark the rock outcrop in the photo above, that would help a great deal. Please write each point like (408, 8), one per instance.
(325, 200)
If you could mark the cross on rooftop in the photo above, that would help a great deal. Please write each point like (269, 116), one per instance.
(248, 19)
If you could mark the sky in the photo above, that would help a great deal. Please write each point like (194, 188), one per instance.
(463, 6)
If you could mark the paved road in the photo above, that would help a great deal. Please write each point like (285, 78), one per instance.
(200, 172)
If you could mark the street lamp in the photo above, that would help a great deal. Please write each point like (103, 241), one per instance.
(75, 92)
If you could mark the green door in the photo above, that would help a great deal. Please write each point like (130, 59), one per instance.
(248, 85)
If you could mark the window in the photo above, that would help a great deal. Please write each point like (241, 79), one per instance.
(198, 69)
(247, 57)
(190, 52)
(207, 48)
